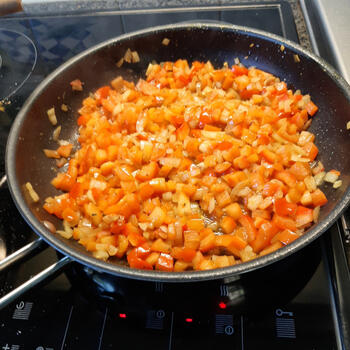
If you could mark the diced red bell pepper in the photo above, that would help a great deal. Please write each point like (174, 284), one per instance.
(247, 222)
(136, 262)
(238, 70)
(165, 262)
(284, 208)
(264, 235)
(318, 198)
(303, 216)
(102, 93)
(284, 223)
(311, 108)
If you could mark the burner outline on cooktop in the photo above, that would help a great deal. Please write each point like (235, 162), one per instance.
(22, 57)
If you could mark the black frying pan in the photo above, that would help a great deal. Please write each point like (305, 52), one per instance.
(31, 131)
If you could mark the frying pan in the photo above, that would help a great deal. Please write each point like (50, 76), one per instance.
(31, 131)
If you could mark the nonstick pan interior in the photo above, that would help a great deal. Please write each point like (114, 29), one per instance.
(32, 132)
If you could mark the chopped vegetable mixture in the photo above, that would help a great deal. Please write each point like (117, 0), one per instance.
(192, 168)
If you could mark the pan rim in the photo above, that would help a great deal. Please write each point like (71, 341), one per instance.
(188, 276)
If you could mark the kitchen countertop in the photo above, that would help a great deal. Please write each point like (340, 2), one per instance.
(69, 7)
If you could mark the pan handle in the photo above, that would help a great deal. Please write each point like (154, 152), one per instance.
(50, 271)
(24, 253)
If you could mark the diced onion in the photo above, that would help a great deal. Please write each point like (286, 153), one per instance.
(34, 196)
(56, 133)
(165, 41)
(331, 177)
(337, 184)
(64, 234)
(52, 115)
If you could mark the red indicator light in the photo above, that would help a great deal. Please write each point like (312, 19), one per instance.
(188, 320)
(222, 305)
(122, 315)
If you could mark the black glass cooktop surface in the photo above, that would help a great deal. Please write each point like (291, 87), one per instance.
(62, 314)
